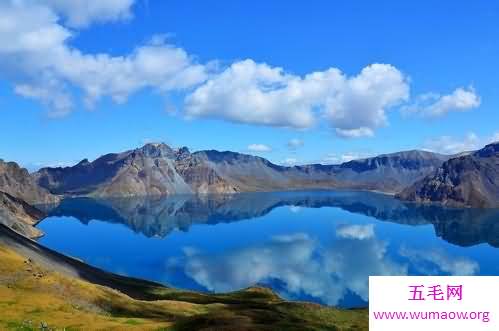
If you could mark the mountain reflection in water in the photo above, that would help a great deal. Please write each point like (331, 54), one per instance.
(321, 246)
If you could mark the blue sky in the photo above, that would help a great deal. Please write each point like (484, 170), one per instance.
(85, 78)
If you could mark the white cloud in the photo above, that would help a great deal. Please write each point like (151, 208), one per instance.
(58, 102)
(259, 148)
(248, 92)
(451, 145)
(295, 143)
(256, 93)
(36, 57)
(81, 13)
(355, 231)
(359, 106)
(290, 161)
(454, 145)
(342, 158)
(355, 133)
(431, 104)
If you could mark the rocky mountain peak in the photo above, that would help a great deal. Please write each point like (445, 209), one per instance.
(83, 162)
(183, 153)
(17, 182)
(489, 150)
(470, 180)
(155, 150)
(157, 169)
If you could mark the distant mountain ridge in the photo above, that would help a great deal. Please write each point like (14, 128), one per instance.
(387, 173)
(157, 169)
(471, 180)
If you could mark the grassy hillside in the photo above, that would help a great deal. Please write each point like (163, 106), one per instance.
(32, 296)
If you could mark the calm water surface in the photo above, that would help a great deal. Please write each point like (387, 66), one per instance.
(313, 246)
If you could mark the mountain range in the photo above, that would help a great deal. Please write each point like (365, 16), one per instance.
(469, 179)
(157, 169)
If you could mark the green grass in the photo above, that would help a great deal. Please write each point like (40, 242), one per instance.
(16, 326)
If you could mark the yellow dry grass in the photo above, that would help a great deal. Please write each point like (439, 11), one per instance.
(30, 296)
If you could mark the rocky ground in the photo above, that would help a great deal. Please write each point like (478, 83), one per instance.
(470, 180)
(19, 216)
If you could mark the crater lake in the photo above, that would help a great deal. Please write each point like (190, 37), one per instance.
(318, 246)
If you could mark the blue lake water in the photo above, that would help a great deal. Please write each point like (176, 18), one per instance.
(313, 246)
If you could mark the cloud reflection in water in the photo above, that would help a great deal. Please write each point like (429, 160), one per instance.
(299, 262)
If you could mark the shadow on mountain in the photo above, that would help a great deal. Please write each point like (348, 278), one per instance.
(158, 216)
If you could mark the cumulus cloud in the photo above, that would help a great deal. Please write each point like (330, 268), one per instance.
(36, 57)
(256, 93)
(434, 105)
(249, 92)
(360, 106)
(259, 148)
(295, 143)
(81, 13)
(454, 145)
